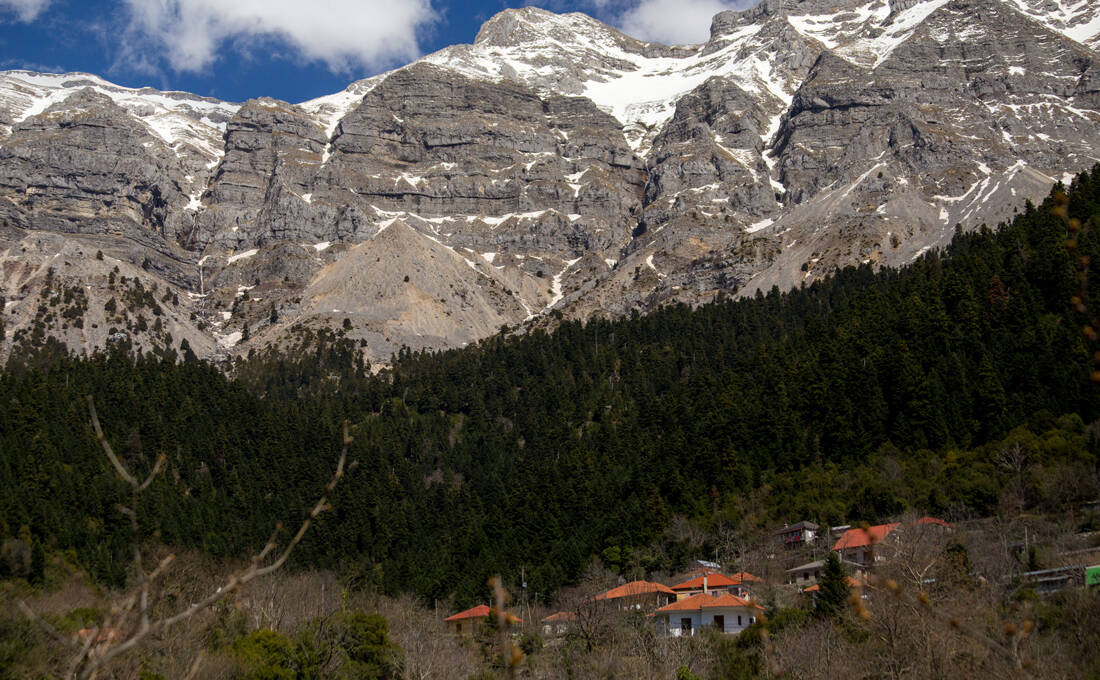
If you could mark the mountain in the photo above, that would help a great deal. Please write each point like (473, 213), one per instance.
(556, 164)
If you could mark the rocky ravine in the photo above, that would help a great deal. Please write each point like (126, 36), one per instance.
(555, 164)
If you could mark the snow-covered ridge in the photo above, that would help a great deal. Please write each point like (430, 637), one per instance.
(865, 34)
(330, 109)
(177, 118)
(1076, 19)
(638, 83)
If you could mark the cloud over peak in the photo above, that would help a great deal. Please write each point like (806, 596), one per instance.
(190, 35)
(675, 22)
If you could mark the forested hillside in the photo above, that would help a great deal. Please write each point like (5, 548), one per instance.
(852, 399)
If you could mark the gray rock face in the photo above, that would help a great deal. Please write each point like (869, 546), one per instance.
(272, 151)
(83, 166)
(555, 164)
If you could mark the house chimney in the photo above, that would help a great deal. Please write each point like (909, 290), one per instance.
(704, 582)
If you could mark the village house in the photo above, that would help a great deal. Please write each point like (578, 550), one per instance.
(810, 573)
(638, 595)
(725, 612)
(797, 535)
(805, 574)
(558, 624)
(469, 621)
(739, 584)
(865, 547)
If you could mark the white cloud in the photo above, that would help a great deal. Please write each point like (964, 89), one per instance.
(674, 22)
(25, 10)
(189, 34)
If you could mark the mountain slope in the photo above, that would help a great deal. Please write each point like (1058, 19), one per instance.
(578, 169)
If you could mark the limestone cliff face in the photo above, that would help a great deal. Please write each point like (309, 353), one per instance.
(555, 164)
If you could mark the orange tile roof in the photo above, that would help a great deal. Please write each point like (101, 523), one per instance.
(479, 612)
(716, 580)
(560, 616)
(708, 601)
(857, 538)
(852, 583)
(635, 588)
(933, 520)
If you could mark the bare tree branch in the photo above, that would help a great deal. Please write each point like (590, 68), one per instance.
(43, 624)
(96, 652)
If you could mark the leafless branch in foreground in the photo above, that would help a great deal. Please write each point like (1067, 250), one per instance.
(1009, 649)
(105, 642)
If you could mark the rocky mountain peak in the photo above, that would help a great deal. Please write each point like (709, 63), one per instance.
(520, 26)
(555, 165)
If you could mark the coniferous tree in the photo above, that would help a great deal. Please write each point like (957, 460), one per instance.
(832, 594)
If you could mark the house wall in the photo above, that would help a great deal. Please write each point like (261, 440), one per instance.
(555, 628)
(465, 626)
(804, 578)
(699, 620)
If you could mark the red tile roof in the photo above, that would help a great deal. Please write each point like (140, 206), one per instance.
(708, 601)
(560, 616)
(635, 588)
(716, 580)
(852, 583)
(479, 612)
(933, 520)
(857, 538)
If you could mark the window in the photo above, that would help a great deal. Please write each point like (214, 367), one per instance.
(739, 620)
(720, 623)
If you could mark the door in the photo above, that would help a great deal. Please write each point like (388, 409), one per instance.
(720, 623)
(685, 627)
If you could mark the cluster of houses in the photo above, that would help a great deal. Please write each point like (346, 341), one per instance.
(708, 598)
(859, 548)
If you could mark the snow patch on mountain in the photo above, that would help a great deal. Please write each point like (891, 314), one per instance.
(177, 118)
(330, 109)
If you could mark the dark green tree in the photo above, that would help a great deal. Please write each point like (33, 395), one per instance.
(832, 595)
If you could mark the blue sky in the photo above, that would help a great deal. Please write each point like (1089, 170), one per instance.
(288, 49)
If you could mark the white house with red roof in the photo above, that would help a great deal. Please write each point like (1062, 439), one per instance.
(720, 610)
(865, 547)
